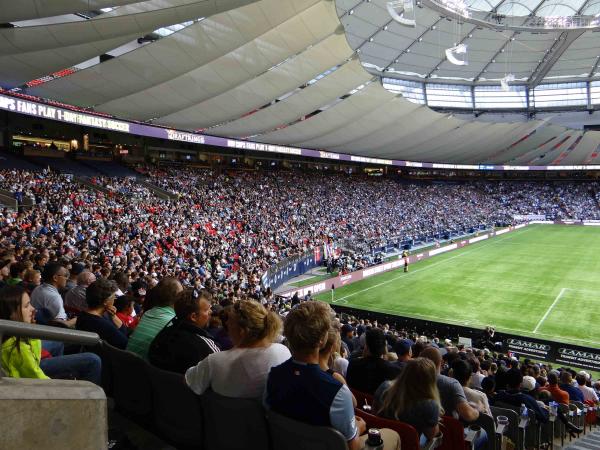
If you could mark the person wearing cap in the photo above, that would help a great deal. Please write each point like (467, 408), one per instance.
(366, 373)
(589, 394)
(557, 393)
(403, 349)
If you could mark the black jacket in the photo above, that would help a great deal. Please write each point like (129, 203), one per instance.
(367, 373)
(179, 346)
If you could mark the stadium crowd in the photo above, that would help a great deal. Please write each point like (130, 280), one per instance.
(178, 283)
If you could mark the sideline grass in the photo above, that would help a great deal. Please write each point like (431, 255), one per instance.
(543, 277)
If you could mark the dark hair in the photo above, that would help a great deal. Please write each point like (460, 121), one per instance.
(122, 280)
(552, 378)
(50, 270)
(123, 302)
(461, 371)
(488, 384)
(99, 291)
(514, 378)
(186, 304)
(11, 299)
(17, 269)
(375, 341)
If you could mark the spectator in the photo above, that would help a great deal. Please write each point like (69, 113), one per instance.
(575, 394)
(31, 279)
(125, 306)
(412, 398)
(163, 298)
(403, 349)
(327, 355)
(242, 371)
(513, 396)
(72, 282)
(17, 272)
(557, 393)
(21, 357)
(75, 299)
(47, 297)
(366, 373)
(4, 272)
(452, 395)
(300, 390)
(488, 386)
(462, 371)
(101, 315)
(185, 342)
(347, 335)
(588, 393)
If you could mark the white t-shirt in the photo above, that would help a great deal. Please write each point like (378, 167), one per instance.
(588, 393)
(478, 399)
(239, 372)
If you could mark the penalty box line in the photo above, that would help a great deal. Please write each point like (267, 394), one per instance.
(558, 297)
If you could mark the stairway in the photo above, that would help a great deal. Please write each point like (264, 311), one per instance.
(589, 441)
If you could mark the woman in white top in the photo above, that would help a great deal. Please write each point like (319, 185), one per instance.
(242, 371)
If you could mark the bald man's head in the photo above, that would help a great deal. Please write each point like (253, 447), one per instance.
(85, 278)
(434, 355)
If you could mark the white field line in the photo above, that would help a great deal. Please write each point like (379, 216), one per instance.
(558, 297)
(404, 275)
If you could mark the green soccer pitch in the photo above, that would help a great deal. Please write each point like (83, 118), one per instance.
(541, 281)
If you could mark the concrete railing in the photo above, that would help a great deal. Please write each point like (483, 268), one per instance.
(51, 414)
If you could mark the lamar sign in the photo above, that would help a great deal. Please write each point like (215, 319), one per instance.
(529, 348)
(581, 358)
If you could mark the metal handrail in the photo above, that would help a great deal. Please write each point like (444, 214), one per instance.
(22, 329)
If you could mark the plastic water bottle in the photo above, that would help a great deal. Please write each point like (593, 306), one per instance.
(374, 441)
(524, 412)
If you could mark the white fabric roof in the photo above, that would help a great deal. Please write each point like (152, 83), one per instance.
(278, 71)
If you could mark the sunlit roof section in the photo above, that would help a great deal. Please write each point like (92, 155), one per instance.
(449, 95)
(560, 95)
(494, 97)
(413, 91)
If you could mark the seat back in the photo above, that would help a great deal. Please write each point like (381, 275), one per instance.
(289, 434)
(362, 398)
(512, 430)
(131, 386)
(454, 434)
(408, 435)
(488, 424)
(176, 409)
(233, 423)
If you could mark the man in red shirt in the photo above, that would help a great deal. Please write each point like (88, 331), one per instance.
(558, 394)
